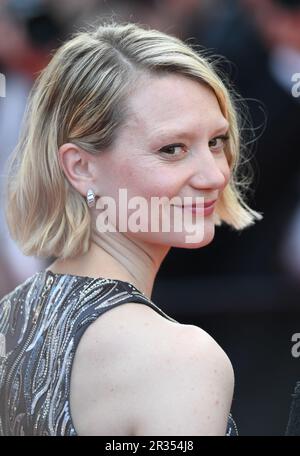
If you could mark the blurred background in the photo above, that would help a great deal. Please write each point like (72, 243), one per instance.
(244, 288)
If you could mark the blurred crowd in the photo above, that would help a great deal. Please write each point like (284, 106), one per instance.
(260, 42)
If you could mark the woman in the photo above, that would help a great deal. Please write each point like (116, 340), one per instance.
(118, 107)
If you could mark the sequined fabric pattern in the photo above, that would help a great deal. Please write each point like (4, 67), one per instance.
(293, 426)
(232, 429)
(41, 323)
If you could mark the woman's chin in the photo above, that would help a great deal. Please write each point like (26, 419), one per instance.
(194, 244)
(187, 239)
(195, 240)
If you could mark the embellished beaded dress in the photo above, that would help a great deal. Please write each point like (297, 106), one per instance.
(41, 323)
(293, 426)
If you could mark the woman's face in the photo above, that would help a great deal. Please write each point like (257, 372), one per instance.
(170, 146)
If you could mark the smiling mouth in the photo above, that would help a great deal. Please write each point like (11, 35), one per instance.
(203, 210)
(207, 204)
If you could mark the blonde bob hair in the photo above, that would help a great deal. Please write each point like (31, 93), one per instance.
(80, 97)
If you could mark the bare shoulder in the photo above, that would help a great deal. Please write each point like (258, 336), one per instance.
(141, 330)
(112, 357)
(204, 348)
(186, 388)
(151, 341)
(133, 358)
(130, 325)
(190, 348)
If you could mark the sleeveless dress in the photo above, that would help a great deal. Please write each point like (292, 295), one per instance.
(293, 426)
(41, 323)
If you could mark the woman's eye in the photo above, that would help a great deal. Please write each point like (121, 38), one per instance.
(218, 142)
(172, 149)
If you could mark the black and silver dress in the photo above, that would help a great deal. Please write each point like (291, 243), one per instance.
(41, 323)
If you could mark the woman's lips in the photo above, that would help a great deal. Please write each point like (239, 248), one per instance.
(206, 209)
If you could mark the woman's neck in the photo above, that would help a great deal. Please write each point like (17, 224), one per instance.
(124, 258)
(117, 255)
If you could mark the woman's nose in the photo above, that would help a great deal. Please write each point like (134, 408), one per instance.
(209, 172)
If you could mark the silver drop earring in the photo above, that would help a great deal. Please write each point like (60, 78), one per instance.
(90, 197)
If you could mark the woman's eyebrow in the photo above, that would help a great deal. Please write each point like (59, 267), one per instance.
(223, 125)
(164, 134)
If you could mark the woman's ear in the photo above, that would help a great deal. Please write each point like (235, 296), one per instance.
(78, 167)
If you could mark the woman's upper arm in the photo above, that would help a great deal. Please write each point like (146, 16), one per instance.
(189, 389)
